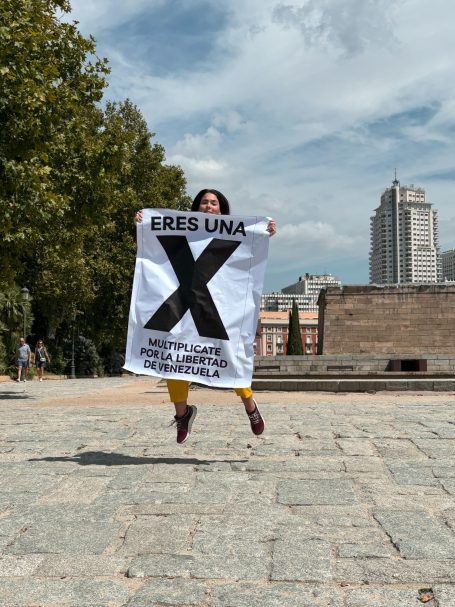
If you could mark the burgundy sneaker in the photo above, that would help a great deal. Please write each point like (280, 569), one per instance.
(184, 423)
(256, 421)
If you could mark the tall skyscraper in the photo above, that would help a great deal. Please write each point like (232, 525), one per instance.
(404, 238)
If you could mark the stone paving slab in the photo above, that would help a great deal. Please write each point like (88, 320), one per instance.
(417, 535)
(345, 501)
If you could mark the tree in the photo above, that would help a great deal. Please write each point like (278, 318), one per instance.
(51, 83)
(294, 346)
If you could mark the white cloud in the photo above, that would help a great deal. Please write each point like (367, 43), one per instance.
(349, 26)
(199, 168)
(199, 144)
(231, 121)
(317, 238)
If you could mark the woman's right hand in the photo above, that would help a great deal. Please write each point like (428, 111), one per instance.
(138, 217)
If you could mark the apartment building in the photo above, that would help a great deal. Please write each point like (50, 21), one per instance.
(404, 238)
(305, 292)
(272, 334)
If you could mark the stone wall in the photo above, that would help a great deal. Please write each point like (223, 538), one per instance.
(348, 365)
(411, 320)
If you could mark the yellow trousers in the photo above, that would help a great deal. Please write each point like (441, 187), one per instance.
(178, 390)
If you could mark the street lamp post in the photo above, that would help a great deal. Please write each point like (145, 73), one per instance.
(24, 295)
(73, 363)
(73, 366)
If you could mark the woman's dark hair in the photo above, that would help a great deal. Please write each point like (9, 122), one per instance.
(224, 203)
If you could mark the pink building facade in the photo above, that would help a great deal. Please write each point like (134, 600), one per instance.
(272, 333)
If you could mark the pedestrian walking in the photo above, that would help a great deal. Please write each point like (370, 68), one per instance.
(41, 358)
(23, 356)
(215, 203)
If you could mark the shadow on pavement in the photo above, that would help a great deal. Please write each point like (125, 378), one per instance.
(100, 458)
(15, 395)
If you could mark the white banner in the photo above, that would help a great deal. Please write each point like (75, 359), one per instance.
(196, 295)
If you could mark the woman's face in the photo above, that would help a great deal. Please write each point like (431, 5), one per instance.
(210, 204)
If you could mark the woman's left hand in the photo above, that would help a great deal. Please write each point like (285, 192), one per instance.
(271, 227)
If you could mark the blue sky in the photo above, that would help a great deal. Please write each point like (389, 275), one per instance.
(299, 111)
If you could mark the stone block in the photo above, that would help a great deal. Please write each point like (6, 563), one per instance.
(176, 592)
(297, 558)
(311, 492)
(382, 597)
(413, 474)
(161, 565)
(157, 535)
(79, 538)
(275, 594)
(64, 593)
(416, 535)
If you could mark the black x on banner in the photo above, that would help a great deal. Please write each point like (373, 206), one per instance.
(192, 293)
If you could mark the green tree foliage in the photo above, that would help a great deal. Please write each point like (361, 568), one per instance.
(294, 346)
(71, 176)
(49, 89)
(12, 310)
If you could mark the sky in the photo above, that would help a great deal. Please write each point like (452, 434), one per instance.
(299, 111)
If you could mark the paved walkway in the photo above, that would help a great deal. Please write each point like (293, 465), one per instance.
(346, 501)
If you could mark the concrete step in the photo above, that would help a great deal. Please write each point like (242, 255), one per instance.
(368, 384)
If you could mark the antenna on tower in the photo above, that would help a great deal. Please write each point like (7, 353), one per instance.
(396, 182)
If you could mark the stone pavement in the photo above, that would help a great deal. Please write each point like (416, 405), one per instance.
(346, 500)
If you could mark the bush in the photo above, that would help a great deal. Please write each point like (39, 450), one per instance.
(87, 362)
(113, 361)
(3, 357)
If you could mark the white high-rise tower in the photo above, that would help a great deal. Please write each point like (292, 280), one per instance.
(404, 238)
